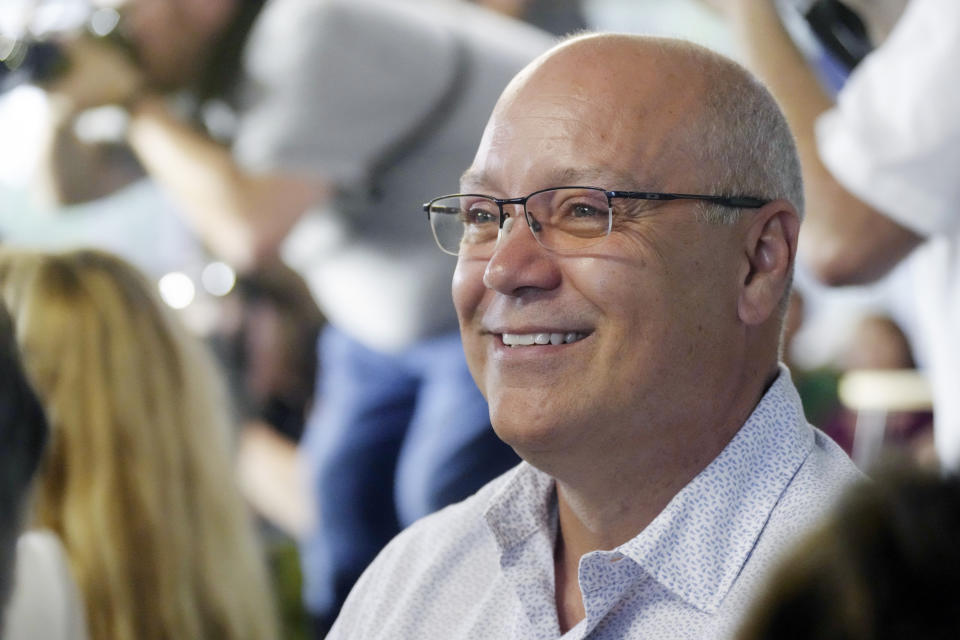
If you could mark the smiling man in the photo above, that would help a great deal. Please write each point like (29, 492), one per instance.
(625, 240)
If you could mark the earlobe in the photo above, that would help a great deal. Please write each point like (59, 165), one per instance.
(770, 251)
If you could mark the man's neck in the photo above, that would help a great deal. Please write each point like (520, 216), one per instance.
(609, 502)
(608, 514)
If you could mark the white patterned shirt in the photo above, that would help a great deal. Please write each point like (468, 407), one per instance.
(484, 568)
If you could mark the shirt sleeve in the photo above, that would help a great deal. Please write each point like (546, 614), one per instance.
(893, 139)
(330, 84)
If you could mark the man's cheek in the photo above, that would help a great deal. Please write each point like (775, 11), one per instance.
(468, 289)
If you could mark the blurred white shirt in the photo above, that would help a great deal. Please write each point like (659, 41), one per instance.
(45, 603)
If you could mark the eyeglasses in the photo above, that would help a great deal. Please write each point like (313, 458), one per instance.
(564, 219)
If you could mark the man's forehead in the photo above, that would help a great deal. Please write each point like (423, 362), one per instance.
(627, 151)
(618, 125)
(479, 178)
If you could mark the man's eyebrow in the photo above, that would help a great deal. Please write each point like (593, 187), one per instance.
(474, 177)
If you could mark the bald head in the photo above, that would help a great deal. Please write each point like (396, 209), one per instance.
(679, 107)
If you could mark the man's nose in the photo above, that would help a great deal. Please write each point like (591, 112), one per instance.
(519, 262)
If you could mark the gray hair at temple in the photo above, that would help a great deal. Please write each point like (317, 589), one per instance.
(745, 138)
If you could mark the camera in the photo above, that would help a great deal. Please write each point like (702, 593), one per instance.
(840, 30)
(36, 55)
(831, 35)
(29, 63)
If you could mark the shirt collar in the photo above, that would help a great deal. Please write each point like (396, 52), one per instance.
(524, 505)
(699, 543)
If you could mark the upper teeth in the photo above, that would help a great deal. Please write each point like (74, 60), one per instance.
(526, 339)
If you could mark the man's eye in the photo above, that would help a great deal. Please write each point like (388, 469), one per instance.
(479, 215)
(583, 210)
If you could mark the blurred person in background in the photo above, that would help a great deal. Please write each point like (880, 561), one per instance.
(878, 343)
(265, 340)
(322, 125)
(867, 340)
(137, 482)
(34, 568)
(881, 167)
(882, 566)
(266, 336)
(559, 17)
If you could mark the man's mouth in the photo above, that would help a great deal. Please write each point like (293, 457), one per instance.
(539, 339)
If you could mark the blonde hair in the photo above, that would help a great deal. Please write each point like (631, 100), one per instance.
(137, 481)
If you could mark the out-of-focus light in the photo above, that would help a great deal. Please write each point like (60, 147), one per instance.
(101, 124)
(218, 278)
(177, 290)
(22, 114)
(7, 45)
(57, 17)
(103, 21)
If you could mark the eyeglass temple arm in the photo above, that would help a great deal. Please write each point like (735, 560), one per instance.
(429, 208)
(739, 202)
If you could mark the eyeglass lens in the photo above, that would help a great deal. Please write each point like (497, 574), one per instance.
(564, 219)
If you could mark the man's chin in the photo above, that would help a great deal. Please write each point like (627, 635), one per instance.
(534, 438)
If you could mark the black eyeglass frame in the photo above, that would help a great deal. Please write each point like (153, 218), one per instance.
(735, 202)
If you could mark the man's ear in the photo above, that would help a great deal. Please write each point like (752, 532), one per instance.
(770, 247)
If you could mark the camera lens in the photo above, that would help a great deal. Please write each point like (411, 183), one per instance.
(30, 62)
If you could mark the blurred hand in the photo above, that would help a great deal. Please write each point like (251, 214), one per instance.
(98, 73)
